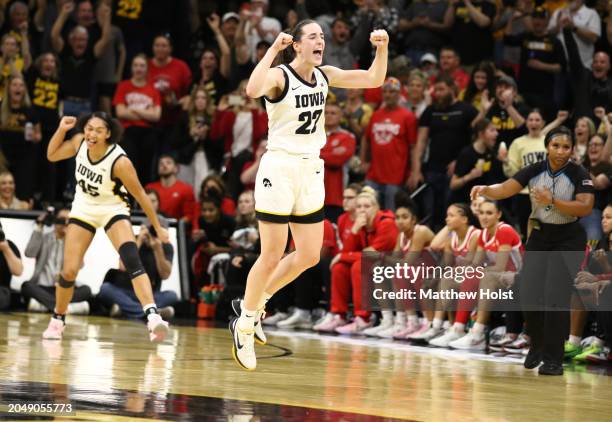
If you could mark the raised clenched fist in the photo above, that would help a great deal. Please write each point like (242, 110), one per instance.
(379, 38)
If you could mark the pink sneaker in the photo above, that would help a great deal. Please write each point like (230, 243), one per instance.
(54, 330)
(158, 328)
(330, 323)
(420, 331)
(409, 329)
(355, 327)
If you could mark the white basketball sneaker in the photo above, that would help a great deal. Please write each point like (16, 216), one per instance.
(260, 336)
(385, 324)
(243, 346)
(158, 328)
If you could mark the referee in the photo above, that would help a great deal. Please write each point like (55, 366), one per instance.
(561, 191)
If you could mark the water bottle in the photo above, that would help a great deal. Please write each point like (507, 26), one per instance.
(28, 132)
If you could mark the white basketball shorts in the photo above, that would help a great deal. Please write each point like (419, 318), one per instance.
(290, 188)
(91, 217)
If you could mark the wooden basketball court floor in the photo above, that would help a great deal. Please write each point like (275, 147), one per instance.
(108, 371)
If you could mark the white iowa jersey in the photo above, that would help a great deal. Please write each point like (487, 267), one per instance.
(296, 119)
(95, 185)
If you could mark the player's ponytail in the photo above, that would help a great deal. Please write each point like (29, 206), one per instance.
(288, 54)
(112, 125)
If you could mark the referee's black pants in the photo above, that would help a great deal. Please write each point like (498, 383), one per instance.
(553, 257)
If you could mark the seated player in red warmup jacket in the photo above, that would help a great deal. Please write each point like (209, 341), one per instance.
(373, 230)
(176, 198)
(347, 218)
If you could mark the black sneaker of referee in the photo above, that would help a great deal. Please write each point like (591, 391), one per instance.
(551, 368)
(533, 359)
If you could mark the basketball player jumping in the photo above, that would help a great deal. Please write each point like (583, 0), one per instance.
(289, 186)
(103, 172)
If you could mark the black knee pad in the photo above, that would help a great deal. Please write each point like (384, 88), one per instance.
(131, 260)
(66, 284)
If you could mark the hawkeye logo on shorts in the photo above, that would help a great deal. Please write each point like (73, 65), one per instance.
(267, 183)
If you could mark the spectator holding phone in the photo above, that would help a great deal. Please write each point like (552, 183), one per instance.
(259, 25)
(197, 154)
(156, 256)
(48, 251)
(239, 121)
(212, 237)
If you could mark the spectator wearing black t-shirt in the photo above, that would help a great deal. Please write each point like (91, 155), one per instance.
(505, 111)
(591, 88)
(20, 135)
(78, 61)
(470, 28)
(210, 76)
(446, 126)
(82, 15)
(142, 20)
(117, 291)
(475, 163)
(10, 265)
(45, 93)
(542, 58)
(213, 237)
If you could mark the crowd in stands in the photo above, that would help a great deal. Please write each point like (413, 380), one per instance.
(473, 87)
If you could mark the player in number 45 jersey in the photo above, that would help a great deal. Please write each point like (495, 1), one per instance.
(289, 187)
(104, 177)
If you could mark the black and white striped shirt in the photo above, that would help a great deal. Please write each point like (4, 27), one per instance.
(564, 184)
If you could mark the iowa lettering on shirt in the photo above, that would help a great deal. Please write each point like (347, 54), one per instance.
(89, 174)
(533, 157)
(309, 100)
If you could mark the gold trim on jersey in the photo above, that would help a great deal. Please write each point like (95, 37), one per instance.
(124, 197)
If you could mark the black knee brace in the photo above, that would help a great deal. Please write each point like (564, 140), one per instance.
(131, 260)
(64, 283)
